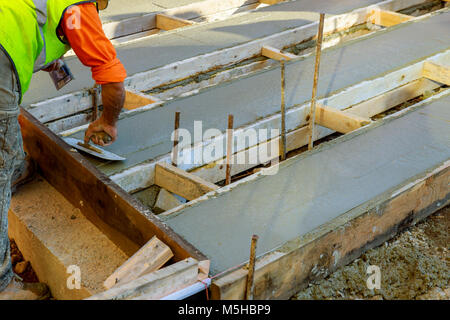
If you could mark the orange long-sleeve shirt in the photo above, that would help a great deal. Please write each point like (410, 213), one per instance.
(91, 45)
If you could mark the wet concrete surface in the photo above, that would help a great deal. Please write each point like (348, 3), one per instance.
(315, 188)
(163, 49)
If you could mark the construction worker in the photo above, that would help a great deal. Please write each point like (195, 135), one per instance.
(33, 35)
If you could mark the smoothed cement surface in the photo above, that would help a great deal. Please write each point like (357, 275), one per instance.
(310, 190)
(162, 49)
(122, 9)
(146, 135)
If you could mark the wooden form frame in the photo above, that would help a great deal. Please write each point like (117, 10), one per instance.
(77, 102)
(135, 100)
(36, 143)
(387, 18)
(155, 285)
(395, 210)
(123, 220)
(365, 100)
(166, 22)
(203, 10)
(152, 256)
(436, 72)
(181, 182)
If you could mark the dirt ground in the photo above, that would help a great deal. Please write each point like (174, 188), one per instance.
(20, 266)
(413, 265)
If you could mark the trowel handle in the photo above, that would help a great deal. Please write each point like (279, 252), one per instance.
(106, 138)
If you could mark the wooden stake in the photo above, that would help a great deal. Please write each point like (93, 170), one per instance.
(276, 54)
(165, 22)
(175, 139)
(283, 112)
(312, 114)
(229, 149)
(251, 269)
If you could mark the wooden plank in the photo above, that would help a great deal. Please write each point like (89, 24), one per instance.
(385, 101)
(436, 72)
(165, 22)
(275, 54)
(271, 2)
(156, 284)
(181, 182)
(312, 112)
(338, 120)
(282, 272)
(134, 100)
(152, 256)
(387, 18)
(116, 213)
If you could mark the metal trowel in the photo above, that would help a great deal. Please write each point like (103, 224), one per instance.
(94, 151)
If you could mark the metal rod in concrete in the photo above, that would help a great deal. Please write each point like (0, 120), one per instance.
(94, 91)
(229, 149)
(312, 114)
(175, 139)
(251, 269)
(283, 112)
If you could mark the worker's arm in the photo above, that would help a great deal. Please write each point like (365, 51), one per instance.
(94, 50)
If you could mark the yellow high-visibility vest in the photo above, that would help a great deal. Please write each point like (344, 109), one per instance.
(28, 34)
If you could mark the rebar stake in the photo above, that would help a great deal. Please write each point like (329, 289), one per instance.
(312, 114)
(175, 139)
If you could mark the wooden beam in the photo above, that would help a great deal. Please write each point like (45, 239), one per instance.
(276, 54)
(181, 182)
(436, 72)
(285, 271)
(270, 2)
(116, 213)
(149, 258)
(382, 102)
(156, 284)
(387, 18)
(338, 120)
(134, 100)
(165, 22)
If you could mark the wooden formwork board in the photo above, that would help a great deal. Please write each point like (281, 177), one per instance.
(123, 219)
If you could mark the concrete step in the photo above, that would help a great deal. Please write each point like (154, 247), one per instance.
(162, 49)
(53, 235)
(316, 187)
(146, 135)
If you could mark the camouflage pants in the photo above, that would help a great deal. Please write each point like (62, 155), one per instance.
(11, 155)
